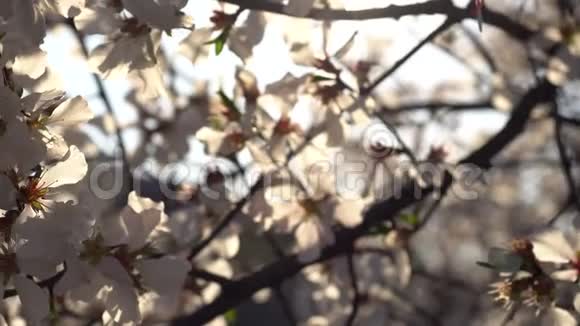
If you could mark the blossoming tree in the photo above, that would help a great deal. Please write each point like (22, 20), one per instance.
(349, 163)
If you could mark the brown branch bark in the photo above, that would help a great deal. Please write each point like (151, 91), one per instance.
(434, 7)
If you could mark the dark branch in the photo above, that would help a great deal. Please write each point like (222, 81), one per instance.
(443, 7)
(565, 162)
(210, 277)
(436, 106)
(356, 294)
(127, 174)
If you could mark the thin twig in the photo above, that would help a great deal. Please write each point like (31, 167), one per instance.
(395, 67)
(226, 220)
(476, 40)
(566, 164)
(128, 175)
(436, 106)
(564, 208)
(278, 290)
(570, 121)
(355, 289)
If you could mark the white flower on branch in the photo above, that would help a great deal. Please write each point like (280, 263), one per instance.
(557, 247)
(133, 48)
(50, 114)
(138, 224)
(48, 239)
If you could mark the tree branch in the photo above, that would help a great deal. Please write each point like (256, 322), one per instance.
(435, 107)
(127, 174)
(443, 7)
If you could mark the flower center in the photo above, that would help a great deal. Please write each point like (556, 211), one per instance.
(236, 138)
(576, 262)
(38, 122)
(133, 27)
(34, 192)
(285, 126)
(309, 206)
(94, 250)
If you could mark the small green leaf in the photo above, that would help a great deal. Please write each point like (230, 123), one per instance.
(215, 123)
(379, 230)
(230, 105)
(220, 41)
(231, 316)
(319, 78)
(411, 219)
(219, 45)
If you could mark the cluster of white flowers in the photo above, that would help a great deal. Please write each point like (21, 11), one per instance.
(531, 269)
(53, 249)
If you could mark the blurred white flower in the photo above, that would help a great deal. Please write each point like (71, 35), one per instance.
(23, 31)
(133, 48)
(138, 224)
(555, 246)
(222, 142)
(50, 114)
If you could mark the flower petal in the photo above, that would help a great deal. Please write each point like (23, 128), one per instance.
(70, 170)
(561, 317)
(71, 112)
(552, 246)
(35, 301)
